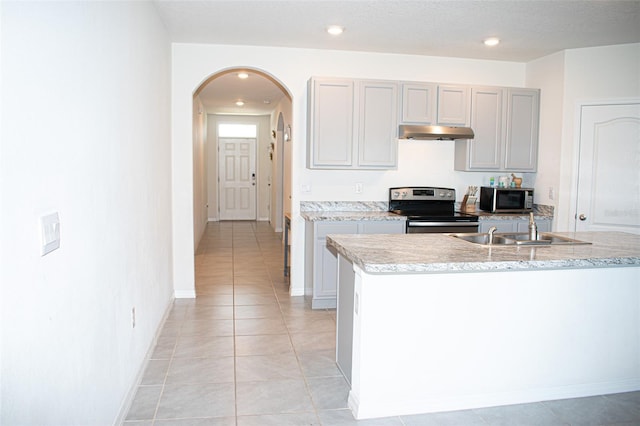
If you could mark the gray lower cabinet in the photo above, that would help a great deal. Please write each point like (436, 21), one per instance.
(344, 317)
(514, 225)
(321, 262)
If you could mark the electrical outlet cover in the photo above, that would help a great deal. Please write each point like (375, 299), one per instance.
(50, 233)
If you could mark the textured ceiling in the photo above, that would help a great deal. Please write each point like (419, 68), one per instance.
(454, 28)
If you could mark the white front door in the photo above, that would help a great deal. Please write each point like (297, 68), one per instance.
(237, 178)
(608, 195)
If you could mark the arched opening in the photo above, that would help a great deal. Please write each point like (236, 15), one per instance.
(266, 103)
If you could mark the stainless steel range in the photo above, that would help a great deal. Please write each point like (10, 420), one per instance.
(430, 210)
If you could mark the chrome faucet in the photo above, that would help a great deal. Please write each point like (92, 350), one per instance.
(490, 233)
(533, 228)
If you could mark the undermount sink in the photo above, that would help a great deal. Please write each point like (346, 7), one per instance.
(517, 238)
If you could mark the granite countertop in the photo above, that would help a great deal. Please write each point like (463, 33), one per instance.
(436, 253)
(537, 214)
(350, 215)
(377, 210)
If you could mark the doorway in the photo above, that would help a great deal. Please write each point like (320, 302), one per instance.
(246, 96)
(608, 189)
(237, 178)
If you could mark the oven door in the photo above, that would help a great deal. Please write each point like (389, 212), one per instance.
(431, 227)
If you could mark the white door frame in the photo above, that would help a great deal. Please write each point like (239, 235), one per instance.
(576, 152)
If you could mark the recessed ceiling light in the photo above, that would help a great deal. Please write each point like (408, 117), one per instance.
(239, 103)
(335, 30)
(492, 41)
(243, 75)
(266, 102)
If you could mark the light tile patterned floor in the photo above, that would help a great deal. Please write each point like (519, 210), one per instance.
(246, 353)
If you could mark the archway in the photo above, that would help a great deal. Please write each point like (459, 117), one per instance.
(271, 177)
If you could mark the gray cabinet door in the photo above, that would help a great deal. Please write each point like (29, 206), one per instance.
(485, 151)
(419, 103)
(325, 262)
(378, 124)
(522, 130)
(501, 225)
(321, 261)
(505, 122)
(542, 225)
(344, 317)
(331, 123)
(382, 227)
(453, 105)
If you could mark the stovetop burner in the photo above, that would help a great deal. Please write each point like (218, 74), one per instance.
(426, 203)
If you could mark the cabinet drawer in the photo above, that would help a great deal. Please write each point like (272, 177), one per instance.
(323, 229)
(383, 227)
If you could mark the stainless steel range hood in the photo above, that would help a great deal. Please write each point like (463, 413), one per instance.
(435, 132)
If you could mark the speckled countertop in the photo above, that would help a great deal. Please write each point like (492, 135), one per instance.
(350, 215)
(434, 253)
(377, 210)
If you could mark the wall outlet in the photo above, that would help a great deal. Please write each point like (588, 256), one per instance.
(358, 188)
(133, 317)
(551, 193)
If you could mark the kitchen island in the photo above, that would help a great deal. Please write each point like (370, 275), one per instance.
(427, 322)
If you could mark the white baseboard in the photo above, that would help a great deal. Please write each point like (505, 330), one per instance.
(468, 402)
(184, 294)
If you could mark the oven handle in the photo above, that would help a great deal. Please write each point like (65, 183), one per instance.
(469, 224)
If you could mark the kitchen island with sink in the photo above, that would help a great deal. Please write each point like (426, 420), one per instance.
(430, 322)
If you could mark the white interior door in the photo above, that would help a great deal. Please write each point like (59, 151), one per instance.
(237, 178)
(608, 195)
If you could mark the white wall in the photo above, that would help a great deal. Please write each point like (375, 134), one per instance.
(281, 160)
(85, 132)
(547, 74)
(200, 166)
(568, 78)
(425, 163)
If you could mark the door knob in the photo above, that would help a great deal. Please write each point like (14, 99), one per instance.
(582, 217)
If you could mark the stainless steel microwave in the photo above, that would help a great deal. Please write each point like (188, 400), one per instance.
(506, 200)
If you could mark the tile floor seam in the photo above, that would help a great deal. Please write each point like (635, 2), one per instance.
(233, 317)
(166, 375)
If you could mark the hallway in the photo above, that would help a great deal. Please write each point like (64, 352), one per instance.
(246, 353)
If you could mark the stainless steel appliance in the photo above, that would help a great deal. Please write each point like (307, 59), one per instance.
(441, 133)
(430, 210)
(506, 200)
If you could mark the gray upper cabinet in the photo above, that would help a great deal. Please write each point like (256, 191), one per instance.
(378, 125)
(453, 105)
(352, 124)
(523, 115)
(505, 123)
(485, 151)
(331, 123)
(419, 103)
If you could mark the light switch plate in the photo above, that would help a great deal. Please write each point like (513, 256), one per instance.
(50, 232)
